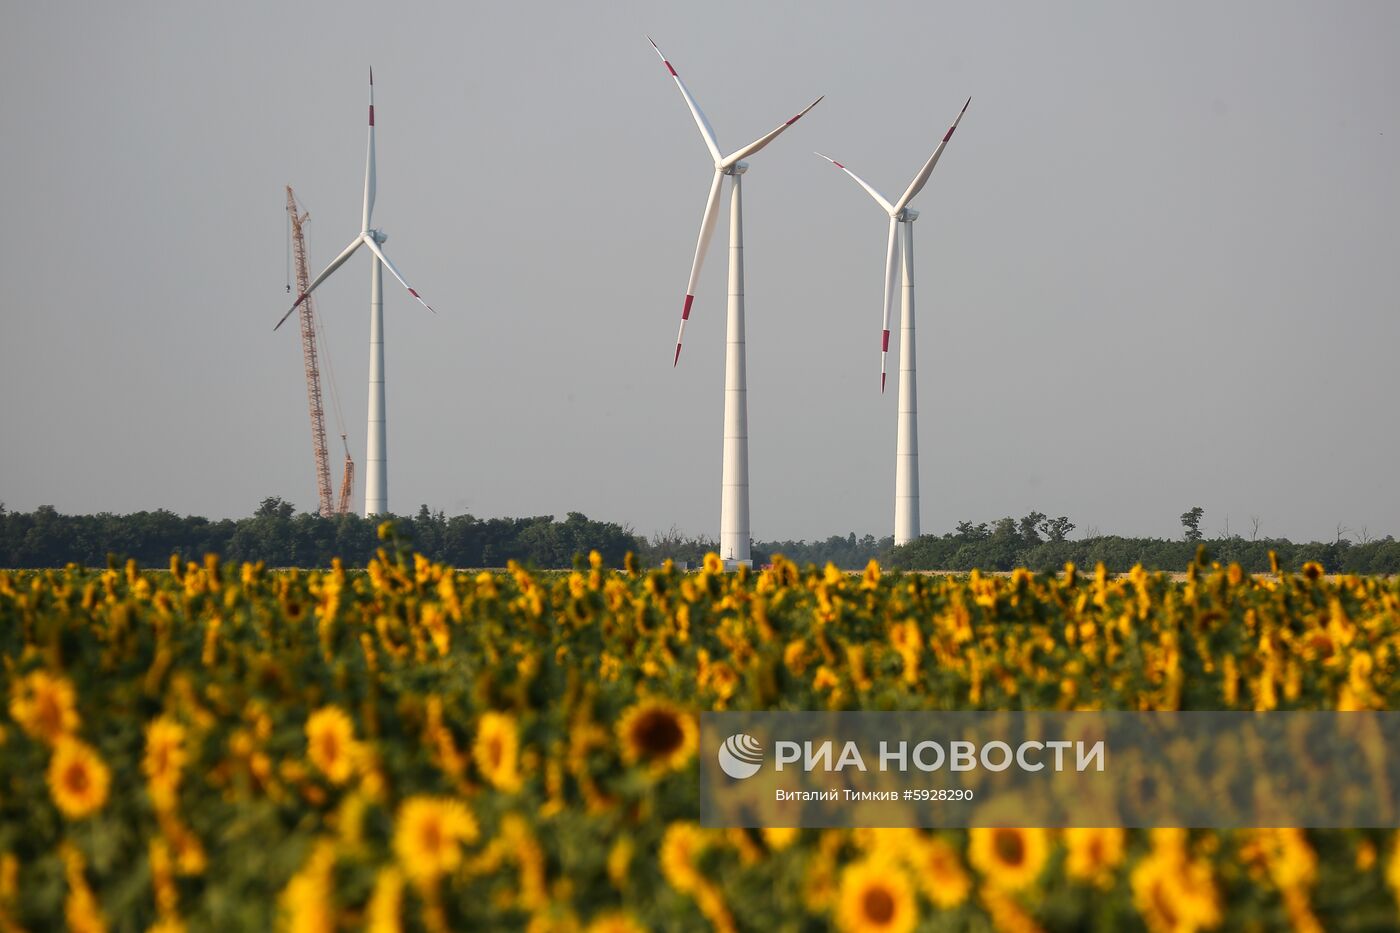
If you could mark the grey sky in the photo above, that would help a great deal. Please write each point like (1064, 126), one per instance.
(1156, 266)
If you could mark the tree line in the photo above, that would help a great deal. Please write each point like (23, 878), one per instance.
(1043, 544)
(279, 536)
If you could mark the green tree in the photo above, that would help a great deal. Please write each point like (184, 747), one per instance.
(1192, 521)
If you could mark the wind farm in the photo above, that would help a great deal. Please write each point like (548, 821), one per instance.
(612, 654)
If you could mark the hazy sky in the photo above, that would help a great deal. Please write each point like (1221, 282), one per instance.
(1157, 266)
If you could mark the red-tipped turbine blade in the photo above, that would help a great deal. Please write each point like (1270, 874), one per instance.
(336, 263)
(869, 188)
(706, 131)
(891, 259)
(921, 179)
(702, 245)
(295, 305)
(767, 138)
(374, 248)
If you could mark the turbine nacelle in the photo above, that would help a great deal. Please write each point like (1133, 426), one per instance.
(380, 237)
(907, 216)
(738, 168)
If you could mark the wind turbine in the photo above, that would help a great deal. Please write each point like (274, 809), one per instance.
(734, 491)
(377, 452)
(906, 471)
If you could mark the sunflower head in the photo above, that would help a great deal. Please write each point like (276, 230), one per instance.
(330, 739)
(497, 751)
(1094, 854)
(1011, 859)
(78, 779)
(940, 873)
(163, 760)
(658, 734)
(875, 897)
(428, 836)
(1173, 894)
(45, 706)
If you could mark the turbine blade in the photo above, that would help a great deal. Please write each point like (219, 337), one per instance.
(706, 130)
(369, 161)
(374, 248)
(336, 263)
(762, 141)
(869, 189)
(702, 245)
(891, 261)
(920, 179)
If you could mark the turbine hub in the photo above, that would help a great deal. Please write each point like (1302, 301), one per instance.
(379, 236)
(738, 168)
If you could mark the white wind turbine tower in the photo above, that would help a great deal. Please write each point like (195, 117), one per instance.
(734, 494)
(906, 471)
(377, 450)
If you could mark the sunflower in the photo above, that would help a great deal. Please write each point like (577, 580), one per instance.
(1175, 896)
(308, 900)
(1392, 868)
(330, 737)
(1007, 915)
(497, 751)
(777, 838)
(428, 835)
(294, 608)
(386, 903)
(164, 757)
(167, 896)
(9, 877)
(795, 657)
(1093, 854)
(80, 908)
(680, 848)
(614, 922)
(1365, 855)
(940, 874)
(1011, 859)
(44, 706)
(78, 779)
(556, 919)
(870, 580)
(1285, 854)
(619, 860)
(875, 897)
(657, 733)
(169, 924)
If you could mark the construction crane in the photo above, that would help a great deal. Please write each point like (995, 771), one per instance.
(347, 481)
(313, 374)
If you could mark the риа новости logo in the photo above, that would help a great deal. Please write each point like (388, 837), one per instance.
(740, 756)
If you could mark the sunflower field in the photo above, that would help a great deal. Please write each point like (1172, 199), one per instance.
(407, 746)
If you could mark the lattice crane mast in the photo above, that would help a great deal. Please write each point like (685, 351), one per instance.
(347, 481)
(313, 373)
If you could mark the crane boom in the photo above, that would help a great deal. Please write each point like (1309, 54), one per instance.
(347, 481)
(308, 349)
